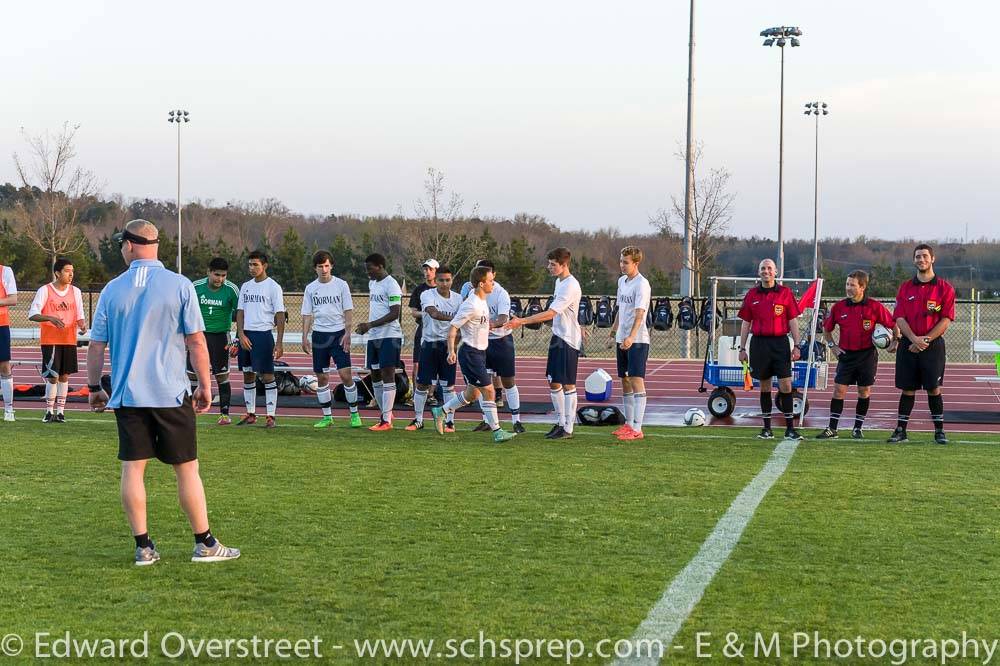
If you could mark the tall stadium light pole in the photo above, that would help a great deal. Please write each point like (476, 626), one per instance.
(178, 116)
(686, 272)
(779, 37)
(816, 109)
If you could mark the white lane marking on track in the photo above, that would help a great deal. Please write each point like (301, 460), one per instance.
(685, 591)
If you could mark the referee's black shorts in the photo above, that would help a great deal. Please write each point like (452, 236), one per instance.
(923, 370)
(857, 367)
(770, 356)
(165, 433)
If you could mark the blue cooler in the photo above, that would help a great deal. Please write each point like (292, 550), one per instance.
(598, 386)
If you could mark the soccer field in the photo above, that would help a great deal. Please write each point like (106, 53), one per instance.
(352, 536)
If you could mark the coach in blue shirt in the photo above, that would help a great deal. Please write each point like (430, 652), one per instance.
(149, 317)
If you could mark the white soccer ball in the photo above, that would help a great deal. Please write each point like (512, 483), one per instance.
(309, 383)
(694, 417)
(881, 336)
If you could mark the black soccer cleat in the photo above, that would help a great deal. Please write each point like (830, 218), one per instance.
(482, 427)
(555, 433)
(792, 434)
(898, 436)
(939, 437)
(60, 418)
(562, 434)
(857, 434)
(519, 428)
(765, 433)
(48, 418)
(829, 433)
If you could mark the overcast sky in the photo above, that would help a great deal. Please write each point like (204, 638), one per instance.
(571, 110)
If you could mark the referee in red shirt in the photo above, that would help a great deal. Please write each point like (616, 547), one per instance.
(925, 307)
(857, 358)
(767, 312)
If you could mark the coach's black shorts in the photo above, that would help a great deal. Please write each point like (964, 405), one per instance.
(164, 433)
(434, 365)
(218, 353)
(857, 367)
(560, 367)
(417, 342)
(924, 370)
(58, 360)
(770, 356)
(632, 361)
(500, 356)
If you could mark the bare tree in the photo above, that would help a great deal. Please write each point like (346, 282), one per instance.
(713, 211)
(58, 191)
(437, 234)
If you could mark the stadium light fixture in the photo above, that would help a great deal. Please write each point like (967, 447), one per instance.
(780, 36)
(816, 109)
(178, 116)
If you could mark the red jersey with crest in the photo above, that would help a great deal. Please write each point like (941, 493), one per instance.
(857, 322)
(769, 311)
(924, 304)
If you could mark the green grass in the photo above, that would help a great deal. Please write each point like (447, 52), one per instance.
(353, 535)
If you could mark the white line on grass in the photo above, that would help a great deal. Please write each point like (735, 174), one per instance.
(685, 591)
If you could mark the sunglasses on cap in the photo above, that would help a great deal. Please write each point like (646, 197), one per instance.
(126, 235)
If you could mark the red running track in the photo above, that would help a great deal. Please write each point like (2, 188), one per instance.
(672, 387)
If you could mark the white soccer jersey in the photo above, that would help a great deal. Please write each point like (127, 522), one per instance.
(436, 330)
(260, 302)
(42, 295)
(566, 303)
(383, 294)
(326, 303)
(473, 319)
(9, 284)
(633, 295)
(498, 301)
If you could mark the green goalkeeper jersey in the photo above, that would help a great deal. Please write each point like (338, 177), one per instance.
(217, 305)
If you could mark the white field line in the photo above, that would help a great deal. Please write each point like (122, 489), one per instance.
(685, 591)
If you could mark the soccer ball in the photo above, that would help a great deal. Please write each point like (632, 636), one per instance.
(694, 417)
(309, 383)
(881, 336)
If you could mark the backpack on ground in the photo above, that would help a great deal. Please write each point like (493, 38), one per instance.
(288, 384)
(605, 315)
(592, 415)
(663, 315)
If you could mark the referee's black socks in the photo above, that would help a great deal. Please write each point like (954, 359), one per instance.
(936, 404)
(861, 411)
(765, 408)
(905, 408)
(836, 409)
(787, 406)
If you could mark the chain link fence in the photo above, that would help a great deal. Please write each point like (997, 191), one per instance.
(974, 320)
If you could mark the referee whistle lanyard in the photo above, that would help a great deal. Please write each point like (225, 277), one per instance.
(812, 344)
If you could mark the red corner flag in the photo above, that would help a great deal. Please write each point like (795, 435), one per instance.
(808, 299)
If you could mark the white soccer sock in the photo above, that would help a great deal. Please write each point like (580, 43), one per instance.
(250, 397)
(419, 401)
(513, 403)
(388, 400)
(324, 398)
(569, 416)
(377, 392)
(559, 404)
(351, 396)
(62, 389)
(628, 403)
(50, 397)
(449, 395)
(271, 397)
(490, 414)
(640, 411)
(455, 402)
(7, 386)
